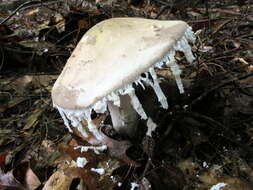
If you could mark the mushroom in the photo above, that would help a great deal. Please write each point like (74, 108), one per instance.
(111, 57)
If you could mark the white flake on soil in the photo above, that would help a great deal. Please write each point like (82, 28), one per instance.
(96, 149)
(218, 186)
(100, 171)
(133, 185)
(205, 165)
(76, 116)
(81, 162)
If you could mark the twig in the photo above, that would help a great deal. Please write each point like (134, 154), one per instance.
(161, 2)
(219, 86)
(162, 11)
(219, 126)
(17, 9)
(147, 168)
(65, 36)
(222, 25)
(2, 61)
(230, 136)
(25, 4)
(28, 96)
(30, 73)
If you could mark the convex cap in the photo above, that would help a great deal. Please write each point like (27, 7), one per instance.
(111, 56)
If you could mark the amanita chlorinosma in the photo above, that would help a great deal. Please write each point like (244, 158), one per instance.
(111, 57)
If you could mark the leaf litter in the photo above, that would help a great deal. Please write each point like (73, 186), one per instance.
(204, 139)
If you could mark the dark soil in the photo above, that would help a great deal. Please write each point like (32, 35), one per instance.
(203, 139)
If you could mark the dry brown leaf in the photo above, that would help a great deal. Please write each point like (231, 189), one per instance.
(58, 181)
(32, 180)
(20, 178)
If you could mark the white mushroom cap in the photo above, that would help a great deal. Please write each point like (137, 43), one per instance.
(111, 55)
(109, 58)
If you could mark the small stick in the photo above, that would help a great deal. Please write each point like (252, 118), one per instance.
(219, 86)
(162, 11)
(17, 9)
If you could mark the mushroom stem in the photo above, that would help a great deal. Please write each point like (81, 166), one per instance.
(124, 118)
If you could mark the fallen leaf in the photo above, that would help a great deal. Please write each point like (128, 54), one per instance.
(19, 178)
(58, 181)
(32, 180)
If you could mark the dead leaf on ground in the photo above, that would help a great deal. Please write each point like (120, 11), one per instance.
(59, 181)
(19, 178)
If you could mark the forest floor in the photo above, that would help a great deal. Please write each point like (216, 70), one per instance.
(204, 140)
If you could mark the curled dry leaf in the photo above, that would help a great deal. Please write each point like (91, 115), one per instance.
(75, 153)
(20, 178)
(116, 148)
(96, 161)
(32, 180)
(62, 179)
